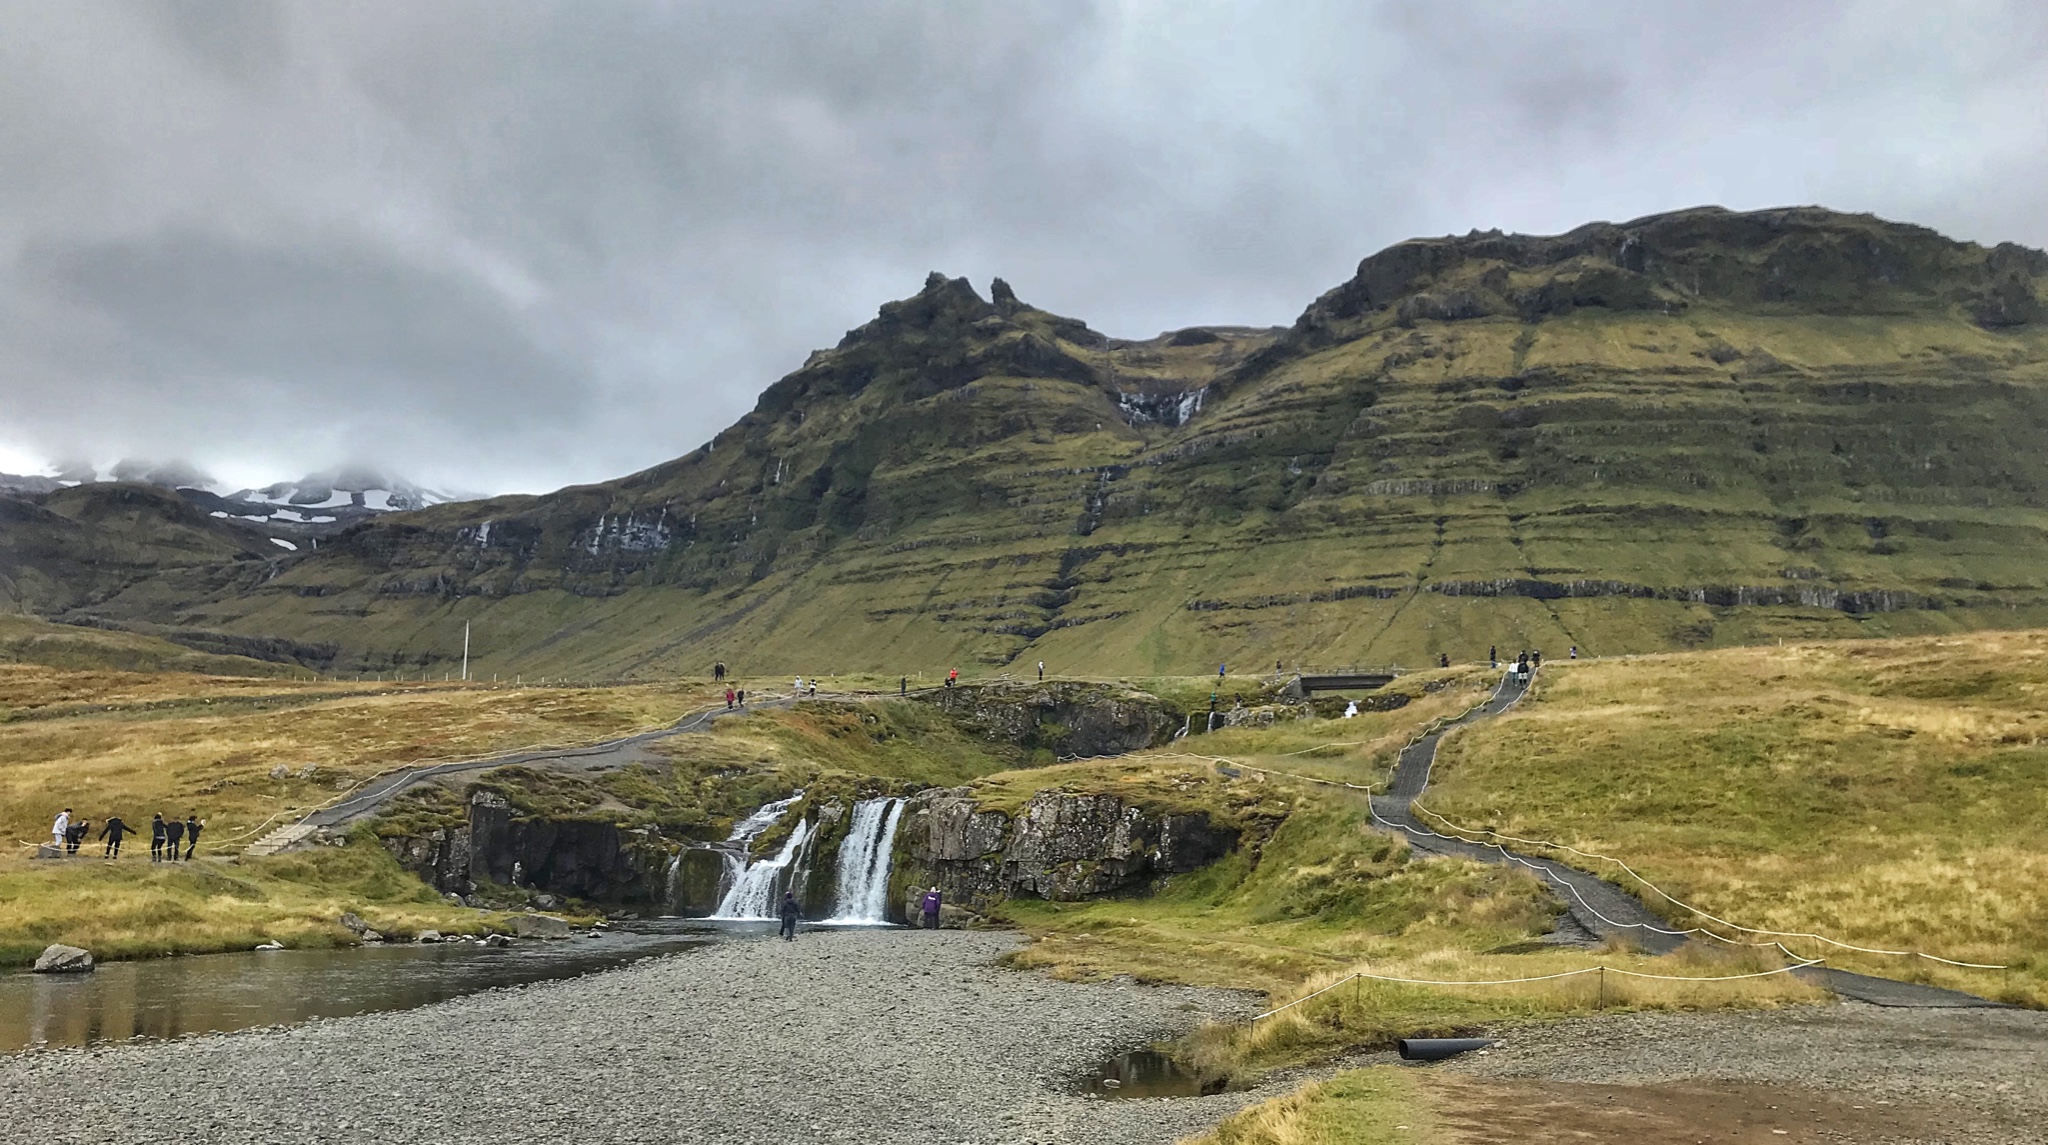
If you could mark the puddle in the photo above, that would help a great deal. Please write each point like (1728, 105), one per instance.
(1146, 1073)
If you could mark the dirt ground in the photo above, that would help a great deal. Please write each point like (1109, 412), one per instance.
(1726, 1113)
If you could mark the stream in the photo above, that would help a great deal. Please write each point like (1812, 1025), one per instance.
(212, 993)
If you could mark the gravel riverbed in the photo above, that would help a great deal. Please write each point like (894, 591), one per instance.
(849, 1036)
(1980, 1076)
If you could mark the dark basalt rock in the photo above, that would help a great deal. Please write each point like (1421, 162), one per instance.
(1062, 846)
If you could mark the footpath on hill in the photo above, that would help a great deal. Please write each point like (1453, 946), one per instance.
(1596, 908)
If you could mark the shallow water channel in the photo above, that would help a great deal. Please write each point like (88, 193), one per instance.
(169, 997)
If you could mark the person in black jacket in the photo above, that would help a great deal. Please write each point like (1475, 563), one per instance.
(192, 826)
(112, 832)
(790, 913)
(174, 839)
(156, 838)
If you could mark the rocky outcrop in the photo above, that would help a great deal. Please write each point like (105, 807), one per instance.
(584, 858)
(1061, 845)
(58, 958)
(1067, 719)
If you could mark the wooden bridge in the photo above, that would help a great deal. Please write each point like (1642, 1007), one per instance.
(1343, 680)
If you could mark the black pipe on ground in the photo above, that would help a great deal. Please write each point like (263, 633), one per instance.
(1437, 1049)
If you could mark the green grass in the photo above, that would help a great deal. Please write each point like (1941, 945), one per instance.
(132, 908)
(1381, 1106)
(1886, 794)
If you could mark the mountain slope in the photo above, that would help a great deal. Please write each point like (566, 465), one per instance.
(1702, 427)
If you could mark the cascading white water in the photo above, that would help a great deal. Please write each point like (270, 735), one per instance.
(754, 895)
(746, 829)
(863, 890)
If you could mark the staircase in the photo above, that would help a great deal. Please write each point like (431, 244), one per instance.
(283, 838)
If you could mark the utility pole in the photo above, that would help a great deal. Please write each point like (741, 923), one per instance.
(465, 650)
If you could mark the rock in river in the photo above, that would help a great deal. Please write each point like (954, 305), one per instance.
(58, 958)
(539, 926)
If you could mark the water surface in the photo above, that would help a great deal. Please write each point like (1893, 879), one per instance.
(169, 997)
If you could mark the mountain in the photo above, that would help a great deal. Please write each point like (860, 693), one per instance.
(1703, 427)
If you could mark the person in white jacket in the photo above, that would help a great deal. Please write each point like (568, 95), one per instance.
(61, 828)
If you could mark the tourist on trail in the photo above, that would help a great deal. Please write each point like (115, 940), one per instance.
(156, 838)
(1443, 660)
(903, 686)
(60, 828)
(930, 908)
(112, 831)
(1221, 669)
(814, 687)
(1575, 652)
(1041, 671)
(174, 839)
(742, 694)
(75, 835)
(952, 675)
(718, 672)
(790, 913)
(1536, 658)
(192, 825)
(1492, 656)
(728, 699)
(799, 686)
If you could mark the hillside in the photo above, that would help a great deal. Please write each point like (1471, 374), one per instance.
(1693, 429)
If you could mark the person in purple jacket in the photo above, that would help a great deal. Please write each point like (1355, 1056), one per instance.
(930, 907)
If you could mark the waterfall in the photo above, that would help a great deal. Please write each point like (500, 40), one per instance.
(749, 890)
(863, 891)
(758, 890)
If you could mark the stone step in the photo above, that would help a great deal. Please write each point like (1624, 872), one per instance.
(280, 839)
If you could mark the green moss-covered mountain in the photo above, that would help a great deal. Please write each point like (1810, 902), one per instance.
(1697, 428)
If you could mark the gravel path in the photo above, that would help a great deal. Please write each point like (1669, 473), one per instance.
(1982, 1073)
(852, 1036)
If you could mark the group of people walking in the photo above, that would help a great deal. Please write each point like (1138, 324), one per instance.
(167, 837)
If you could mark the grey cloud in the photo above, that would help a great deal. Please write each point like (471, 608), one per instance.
(515, 245)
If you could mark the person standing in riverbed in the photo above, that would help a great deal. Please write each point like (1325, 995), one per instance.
(156, 838)
(174, 839)
(790, 913)
(930, 908)
(192, 825)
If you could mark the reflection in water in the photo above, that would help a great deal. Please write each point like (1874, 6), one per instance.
(1148, 1073)
(167, 997)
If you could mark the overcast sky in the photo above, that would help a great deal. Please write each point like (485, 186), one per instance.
(511, 244)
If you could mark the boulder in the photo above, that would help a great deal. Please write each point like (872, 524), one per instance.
(354, 922)
(49, 851)
(539, 926)
(269, 946)
(280, 772)
(428, 936)
(497, 940)
(373, 936)
(58, 958)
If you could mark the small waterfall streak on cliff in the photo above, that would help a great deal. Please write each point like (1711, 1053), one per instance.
(756, 895)
(863, 891)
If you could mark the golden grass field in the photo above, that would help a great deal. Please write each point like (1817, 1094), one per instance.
(1890, 794)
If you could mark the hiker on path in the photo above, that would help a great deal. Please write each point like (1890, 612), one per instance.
(60, 828)
(790, 913)
(1492, 656)
(75, 835)
(952, 675)
(1041, 671)
(814, 687)
(1575, 652)
(799, 686)
(742, 697)
(112, 831)
(718, 672)
(903, 686)
(728, 699)
(1221, 669)
(156, 838)
(192, 825)
(930, 908)
(174, 839)
(1443, 659)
